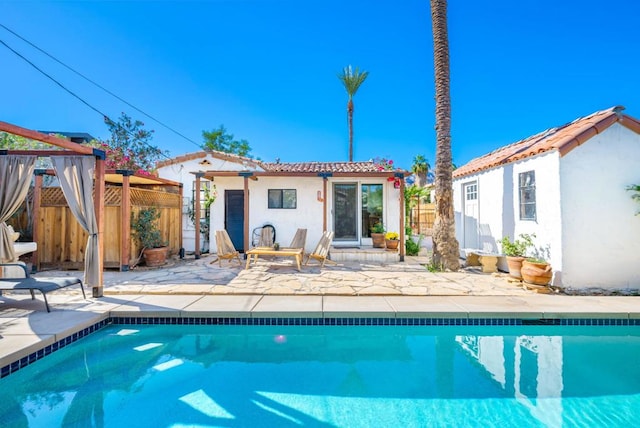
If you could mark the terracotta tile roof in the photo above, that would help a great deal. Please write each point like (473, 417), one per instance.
(213, 153)
(563, 138)
(317, 167)
(283, 167)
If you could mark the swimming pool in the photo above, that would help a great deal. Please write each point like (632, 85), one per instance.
(322, 376)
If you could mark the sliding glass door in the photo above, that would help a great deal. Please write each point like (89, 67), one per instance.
(356, 208)
(345, 212)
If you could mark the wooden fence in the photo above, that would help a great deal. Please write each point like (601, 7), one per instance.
(62, 241)
(421, 219)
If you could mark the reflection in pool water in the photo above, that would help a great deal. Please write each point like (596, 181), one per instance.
(175, 376)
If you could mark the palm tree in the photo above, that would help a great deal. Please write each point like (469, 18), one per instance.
(420, 168)
(445, 245)
(351, 81)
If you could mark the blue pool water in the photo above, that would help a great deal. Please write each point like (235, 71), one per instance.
(330, 376)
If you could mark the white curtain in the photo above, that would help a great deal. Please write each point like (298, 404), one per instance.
(76, 179)
(16, 172)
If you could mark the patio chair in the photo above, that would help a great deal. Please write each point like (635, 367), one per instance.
(299, 239)
(322, 249)
(32, 284)
(226, 250)
(263, 235)
(266, 238)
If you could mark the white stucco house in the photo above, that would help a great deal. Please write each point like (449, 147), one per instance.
(568, 186)
(344, 197)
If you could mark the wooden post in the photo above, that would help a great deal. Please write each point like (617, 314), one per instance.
(196, 197)
(98, 195)
(324, 203)
(37, 196)
(125, 217)
(400, 176)
(325, 176)
(180, 233)
(246, 213)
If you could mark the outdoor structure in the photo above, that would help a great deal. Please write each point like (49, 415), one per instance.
(61, 240)
(80, 170)
(344, 197)
(567, 185)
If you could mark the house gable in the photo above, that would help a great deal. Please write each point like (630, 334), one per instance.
(215, 159)
(563, 139)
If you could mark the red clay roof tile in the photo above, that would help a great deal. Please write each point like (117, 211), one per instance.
(316, 167)
(292, 167)
(562, 138)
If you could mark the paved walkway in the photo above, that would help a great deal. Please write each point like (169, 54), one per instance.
(280, 277)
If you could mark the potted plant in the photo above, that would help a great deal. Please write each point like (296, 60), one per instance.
(536, 271)
(516, 252)
(391, 240)
(145, 230)
(377, 235)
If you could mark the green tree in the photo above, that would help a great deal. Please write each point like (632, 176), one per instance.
(16, 142)
(220, 140)
(129, 146)
(420, 168)
(446, 251)
(351, 81)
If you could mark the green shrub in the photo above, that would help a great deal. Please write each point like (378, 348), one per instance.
(145, 228)
(412, 248)
(519, 247)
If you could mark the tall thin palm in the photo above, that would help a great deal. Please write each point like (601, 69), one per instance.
(445, 244)
(351, 81)
(420, 168)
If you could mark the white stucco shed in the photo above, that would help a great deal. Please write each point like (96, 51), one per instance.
(567, 185)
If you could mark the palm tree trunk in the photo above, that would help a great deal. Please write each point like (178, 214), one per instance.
(445, 245)
(350, 119)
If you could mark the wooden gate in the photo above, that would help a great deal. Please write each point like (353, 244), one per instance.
(421, 219)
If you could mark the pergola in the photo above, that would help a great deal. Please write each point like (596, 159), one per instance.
(73, 165)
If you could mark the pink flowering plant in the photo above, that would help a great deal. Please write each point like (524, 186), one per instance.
(383, 164)
(129, 146)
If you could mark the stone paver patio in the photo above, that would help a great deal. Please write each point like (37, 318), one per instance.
(280, 277)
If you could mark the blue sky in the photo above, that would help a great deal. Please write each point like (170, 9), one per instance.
(266, 69)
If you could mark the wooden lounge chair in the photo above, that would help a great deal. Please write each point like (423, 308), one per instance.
(299, 239)
(41, 284)
(322, 249)
(266, 238)
(226, 250)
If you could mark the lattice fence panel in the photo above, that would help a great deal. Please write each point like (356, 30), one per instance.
(52, 197)
(113, 196)
(154, 198)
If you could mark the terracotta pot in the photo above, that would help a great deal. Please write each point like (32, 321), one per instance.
(378, 240)
(155, 256)
(392, 244)
(515, 265)
(536, 273)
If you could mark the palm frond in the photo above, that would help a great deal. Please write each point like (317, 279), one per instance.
(352, 79)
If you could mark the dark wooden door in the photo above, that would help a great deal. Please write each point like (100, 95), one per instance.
(234, 217)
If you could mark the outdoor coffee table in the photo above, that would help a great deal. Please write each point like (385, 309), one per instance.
(270, 251)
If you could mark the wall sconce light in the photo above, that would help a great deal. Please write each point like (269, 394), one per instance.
(320, 198)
